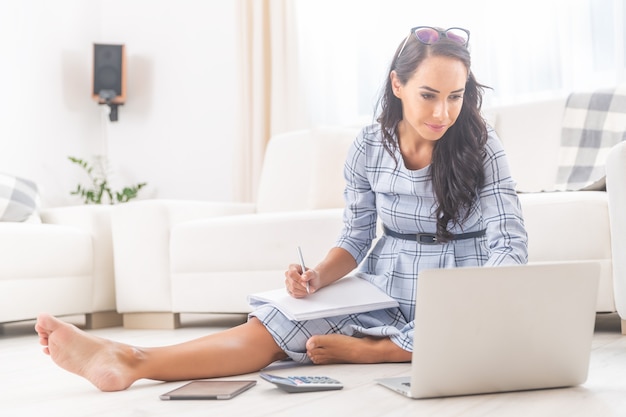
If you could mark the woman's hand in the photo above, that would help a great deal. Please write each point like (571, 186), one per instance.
(296, 281)
(337, 263)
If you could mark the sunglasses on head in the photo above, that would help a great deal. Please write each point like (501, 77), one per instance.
(429, 35)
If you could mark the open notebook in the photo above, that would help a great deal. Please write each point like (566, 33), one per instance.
(348, 295)
(495, 329)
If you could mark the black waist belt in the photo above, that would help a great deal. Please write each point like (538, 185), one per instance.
(430, 238)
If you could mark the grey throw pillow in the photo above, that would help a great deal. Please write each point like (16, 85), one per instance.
(593, 122)
(18, 198)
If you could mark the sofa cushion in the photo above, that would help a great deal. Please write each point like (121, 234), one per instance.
(303, 170)
(19, 199)
(592, 124)
(530, 133)
(46, 267)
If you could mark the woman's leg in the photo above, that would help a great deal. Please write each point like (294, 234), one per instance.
(113, 366)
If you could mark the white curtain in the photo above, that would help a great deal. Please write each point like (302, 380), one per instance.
(270, 87)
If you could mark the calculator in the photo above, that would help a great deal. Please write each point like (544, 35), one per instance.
(303, 383)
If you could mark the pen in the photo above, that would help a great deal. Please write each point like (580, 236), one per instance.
(308, 291)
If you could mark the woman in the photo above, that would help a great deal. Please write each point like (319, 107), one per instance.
(430, 170)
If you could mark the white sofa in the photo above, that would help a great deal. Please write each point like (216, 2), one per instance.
(205, 263)
(176, 257)
(562, 225)
(62, 264)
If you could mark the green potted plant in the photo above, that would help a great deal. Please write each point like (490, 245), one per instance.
(99, 190)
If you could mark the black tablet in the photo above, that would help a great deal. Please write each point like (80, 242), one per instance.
(208, 390)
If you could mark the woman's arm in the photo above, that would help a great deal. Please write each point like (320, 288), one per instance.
(358, 231)
(337, 264)
(501, 209)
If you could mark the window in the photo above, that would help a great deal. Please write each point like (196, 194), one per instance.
(532, 49)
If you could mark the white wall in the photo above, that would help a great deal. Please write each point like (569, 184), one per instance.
(178, 127)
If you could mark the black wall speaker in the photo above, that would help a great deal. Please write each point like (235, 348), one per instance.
(109, 74)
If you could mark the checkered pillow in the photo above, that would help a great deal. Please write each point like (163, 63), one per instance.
(19, 199)
(592, 124)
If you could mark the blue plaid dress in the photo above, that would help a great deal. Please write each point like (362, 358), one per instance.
(403, 200)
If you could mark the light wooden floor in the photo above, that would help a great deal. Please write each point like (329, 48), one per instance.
(31, 385)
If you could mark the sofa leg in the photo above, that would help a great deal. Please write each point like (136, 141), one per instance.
(624, 327)
(151, 320)
(103, 319)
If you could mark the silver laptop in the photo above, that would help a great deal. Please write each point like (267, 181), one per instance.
(496, 329)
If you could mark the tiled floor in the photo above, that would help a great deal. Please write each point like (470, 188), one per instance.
(33, 386)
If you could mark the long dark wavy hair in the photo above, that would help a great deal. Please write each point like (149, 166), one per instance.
(457, 161)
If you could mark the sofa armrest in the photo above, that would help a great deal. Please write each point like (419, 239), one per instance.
(217, 262)
(95, 220)
(141, 236)
(616, 190)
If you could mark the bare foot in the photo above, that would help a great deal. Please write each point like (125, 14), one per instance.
(105, 364)
(337, 348)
